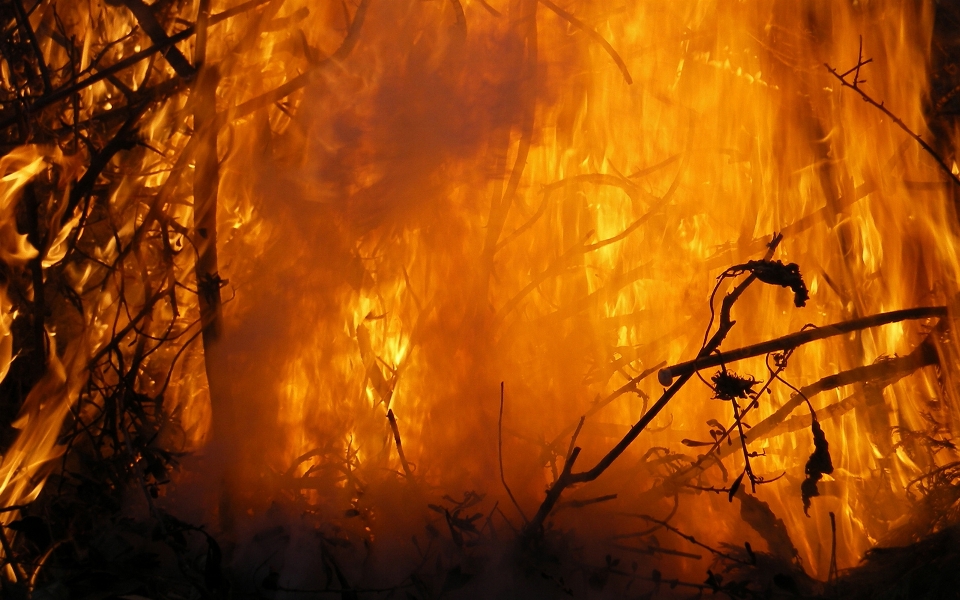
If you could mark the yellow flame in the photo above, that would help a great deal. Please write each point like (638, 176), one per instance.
(457, 205)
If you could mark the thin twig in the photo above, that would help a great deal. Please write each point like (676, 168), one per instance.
(573, 438)
(630, 386)
(461, 18)
(652, 550)
(881, 373)
(887, 371)
(396, 437)
(119, 335)
(855, 86)
(122, 140)
(503, 479)
(581, 248)
(587, 502)
(631, 189)
(24, 20)
(18, 573)
(489, 8)
(748, 469)
(781, 365)
(692, 539)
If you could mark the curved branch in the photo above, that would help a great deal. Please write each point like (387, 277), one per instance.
(593, 35)
(302, 80)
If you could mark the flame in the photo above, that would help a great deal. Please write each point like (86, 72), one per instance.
(27, 461)
(469, 198)
(446, 210)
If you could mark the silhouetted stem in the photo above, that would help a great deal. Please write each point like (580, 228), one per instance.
(396, 437)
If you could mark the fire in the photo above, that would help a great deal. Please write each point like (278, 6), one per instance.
(445, 196)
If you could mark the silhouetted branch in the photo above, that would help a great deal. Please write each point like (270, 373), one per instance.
(461, 18)
(153, 28)
(794, 340)
(24, 22)
(503, 479)
(489, 8)
(883, 372)
(692, 539)
(587, 502)
(567, 478)
(396, 437)
(855, 86)
(630, 386)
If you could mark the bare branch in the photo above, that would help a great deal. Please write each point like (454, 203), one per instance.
(855, 86)
(300, 81)
(788, 342)
(154, 29)
(396, 437)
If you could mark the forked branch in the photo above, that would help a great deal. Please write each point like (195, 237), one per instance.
(855, 86)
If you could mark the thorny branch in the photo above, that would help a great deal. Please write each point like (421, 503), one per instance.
(854, 84)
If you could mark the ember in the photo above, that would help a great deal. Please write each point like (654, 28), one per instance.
(364, 298)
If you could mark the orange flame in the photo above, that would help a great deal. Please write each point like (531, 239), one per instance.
(545, 195)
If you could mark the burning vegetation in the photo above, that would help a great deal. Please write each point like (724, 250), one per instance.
(464, 298)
